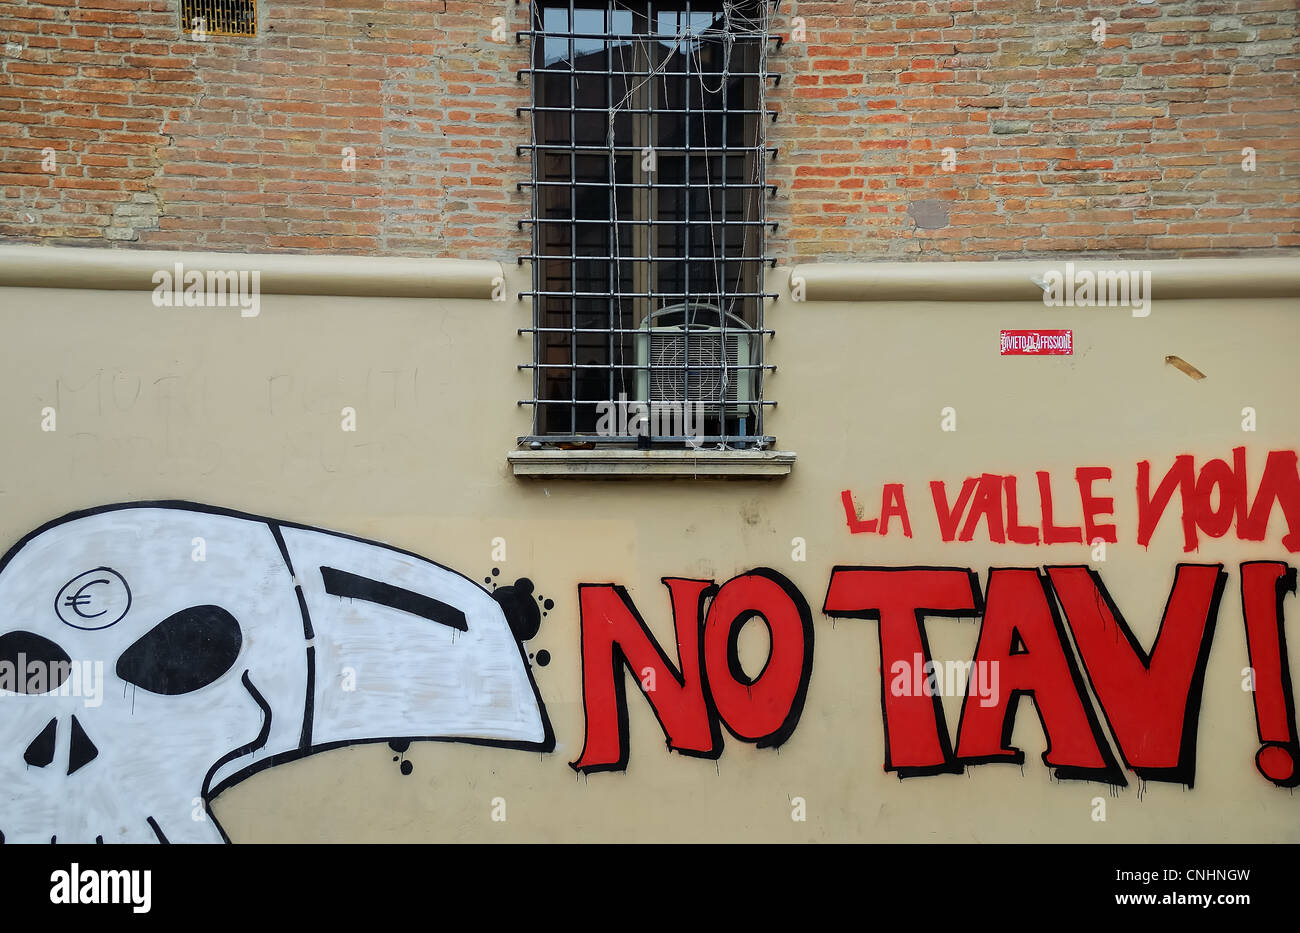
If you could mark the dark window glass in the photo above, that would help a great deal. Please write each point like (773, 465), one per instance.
(649, 189)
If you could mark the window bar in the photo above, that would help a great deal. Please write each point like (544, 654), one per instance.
(673, 367)
(725, 90)
(611, 268)
(771, 150)
(520, 72)
(589, 330)
(698, 223)
(646, 185)
(681, 296)
(656, 64)
(652, 56)
(605, 110)
(728, 439)
(625, 258)
(539, 306)
(760, 158)
(687, 200)
(573, 229)
(585, 35)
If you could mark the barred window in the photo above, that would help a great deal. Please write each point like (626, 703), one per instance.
(220, 17)
(648, 191)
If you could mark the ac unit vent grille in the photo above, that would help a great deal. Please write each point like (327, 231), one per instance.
(699, 368)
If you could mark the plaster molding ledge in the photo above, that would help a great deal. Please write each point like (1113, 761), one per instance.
(999, 280)
(684, 464)
(26, 266)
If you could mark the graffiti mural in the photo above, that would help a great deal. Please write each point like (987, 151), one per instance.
(153, 654)
(708, 687)
(1043, 632)
(1052, 635)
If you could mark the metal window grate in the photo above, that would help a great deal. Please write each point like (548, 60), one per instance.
(220, 17)
(648, 218)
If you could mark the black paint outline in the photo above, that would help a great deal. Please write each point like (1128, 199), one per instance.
(1285, 584)
(620, 664)
(1185, 771)
(309, 706)
(307, 630)
(261, 739)
(950, 764)
(734, 667)
(1110, 773)
(778, 736)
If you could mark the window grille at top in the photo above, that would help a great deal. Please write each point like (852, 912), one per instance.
(648, 218)
(220, 17)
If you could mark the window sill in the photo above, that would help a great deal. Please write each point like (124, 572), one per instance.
(688, 464)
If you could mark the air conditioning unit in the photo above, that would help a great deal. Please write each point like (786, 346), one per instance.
(684, 355)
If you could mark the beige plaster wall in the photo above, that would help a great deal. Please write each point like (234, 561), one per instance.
(244, 413)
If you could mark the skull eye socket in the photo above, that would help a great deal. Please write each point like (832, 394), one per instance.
(18, 652)
(183, 652)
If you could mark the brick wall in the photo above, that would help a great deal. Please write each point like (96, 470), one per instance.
(1061, 144)
(238, 143)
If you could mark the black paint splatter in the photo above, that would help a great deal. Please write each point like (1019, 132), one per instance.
(400, 746)
(519, 607)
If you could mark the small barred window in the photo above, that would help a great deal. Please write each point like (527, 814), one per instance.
(219, 17)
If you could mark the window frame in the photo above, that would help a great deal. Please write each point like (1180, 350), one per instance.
(648, 267)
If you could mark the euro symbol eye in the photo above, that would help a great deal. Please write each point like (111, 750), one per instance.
(81, 599)
(183, 653)
(93, 600)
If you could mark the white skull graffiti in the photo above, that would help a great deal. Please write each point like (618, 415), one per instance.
(227, 643)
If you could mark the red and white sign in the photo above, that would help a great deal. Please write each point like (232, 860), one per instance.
(1038, 343)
